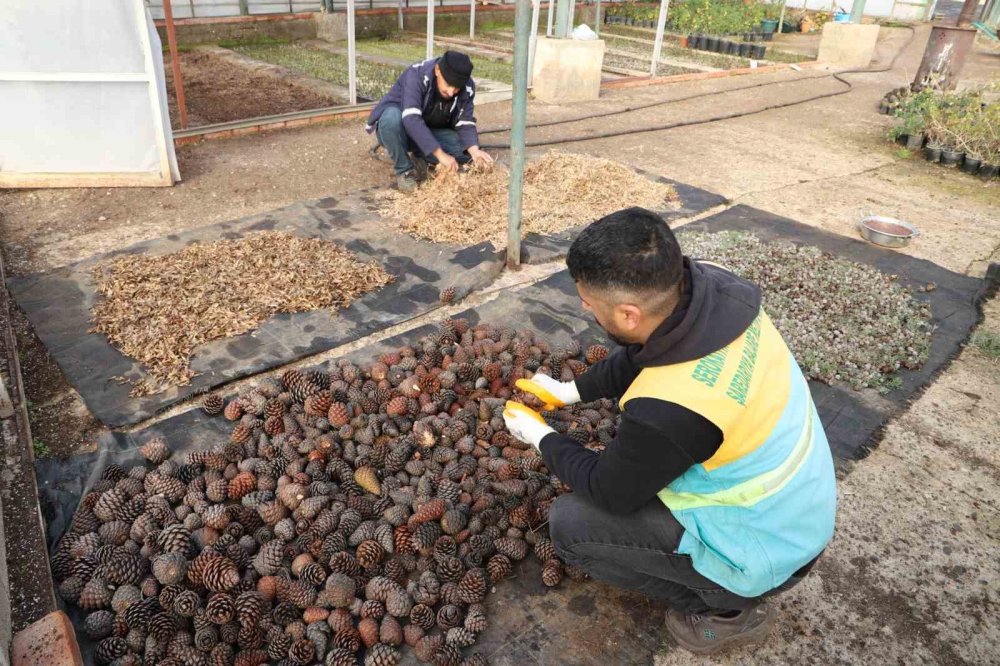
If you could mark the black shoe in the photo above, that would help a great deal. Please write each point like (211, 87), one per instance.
(407, 181)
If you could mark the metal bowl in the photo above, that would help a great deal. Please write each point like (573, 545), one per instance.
(870, 231)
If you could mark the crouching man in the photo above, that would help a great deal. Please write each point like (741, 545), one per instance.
(427, 117)
(719, 489)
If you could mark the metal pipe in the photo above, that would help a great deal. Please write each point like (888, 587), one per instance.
(661, 22)
(430, 29)
(472, 19)
(552, 15)
(967, 14)
(536, 9)
(857, 11)
(401, 26)
(781, 19)
(563, 18)
(352, 74)
(597, 19)
(175, 63)
(522, 23)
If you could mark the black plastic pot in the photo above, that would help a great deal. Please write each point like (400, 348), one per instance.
(950, 158)
(914, 141)
(768, 36)
(734, 48)
(712, 44)
(971, 165)
(883, 107)
(932, 152)
(699, 42)
(746, 49)
(757, 37)
(691, 40)
(723, 45)
(747, 36)
(989, 171)
(758, 51)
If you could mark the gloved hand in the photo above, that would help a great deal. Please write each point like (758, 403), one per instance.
(525, 423)
(552, 392)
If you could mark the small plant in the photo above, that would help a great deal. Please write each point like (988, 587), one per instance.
(41, 449)
(988, 342)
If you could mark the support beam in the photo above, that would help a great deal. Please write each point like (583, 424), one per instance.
(522, 24)
(472, 19)
(564, 17)
(597, 19)
(352, 73)
(400, 14)
(430, 29)
(857, 11)
(661, 22)
(552, 15)
(536, 9)
(175, 63)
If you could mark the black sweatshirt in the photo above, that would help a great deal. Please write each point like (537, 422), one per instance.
(657, 441)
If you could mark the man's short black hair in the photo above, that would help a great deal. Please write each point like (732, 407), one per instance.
(631, 249)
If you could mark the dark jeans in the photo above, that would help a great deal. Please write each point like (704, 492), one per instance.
(391, 134)
(636, 552)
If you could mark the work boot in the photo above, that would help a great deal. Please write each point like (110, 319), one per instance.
(705, 634)
(407, 181)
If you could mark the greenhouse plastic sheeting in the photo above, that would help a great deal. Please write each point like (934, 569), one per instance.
(58, 304)
(83, 92)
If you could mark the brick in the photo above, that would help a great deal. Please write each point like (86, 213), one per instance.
(50, 641)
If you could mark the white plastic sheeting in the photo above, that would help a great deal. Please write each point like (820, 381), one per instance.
(83, 96)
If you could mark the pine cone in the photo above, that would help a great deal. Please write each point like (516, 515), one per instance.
(110, 649)
(302, 652)
(448, 295)
(213, 404)
(155, 450)
(220, 608)
(499, 567)
(339, 656)
(96, 594)
(460, 637)
(453, 521)
(233, 411)
(475, 618)
(552, 573)
(220, 574)
(174, 538)
(544, 550)
(249, 608)
(391, 632)
(381, 654)
(474, 586)
(367, 478)
(99, 624)
(515, 549)
(340, 589)
(268, 558)
(423, 616)
(449, 616)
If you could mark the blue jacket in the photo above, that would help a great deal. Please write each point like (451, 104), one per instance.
(413, 92)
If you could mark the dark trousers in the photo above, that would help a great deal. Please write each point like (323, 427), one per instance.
(391, 134)
(636, 552)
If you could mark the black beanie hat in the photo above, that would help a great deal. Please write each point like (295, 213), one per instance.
(456, 68)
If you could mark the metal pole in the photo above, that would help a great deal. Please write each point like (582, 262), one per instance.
(472, 19)
(661, 22)
(401, 27)
(175, 63)
(857, 11)
(244, 8)
(563, 18)
(430, 29)
(352, 74)
(522, 23)
(552, 15)
(536, 9)
(781, 19)
(597, 19)
(967, 14)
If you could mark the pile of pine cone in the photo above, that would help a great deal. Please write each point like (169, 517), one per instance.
(353, 510)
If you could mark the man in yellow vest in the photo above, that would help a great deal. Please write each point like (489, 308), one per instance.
(719, 487)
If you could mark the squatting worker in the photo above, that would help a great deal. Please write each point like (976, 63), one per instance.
(718, 490)
(428, 112)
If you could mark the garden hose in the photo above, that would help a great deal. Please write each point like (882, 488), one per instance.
(838, 76)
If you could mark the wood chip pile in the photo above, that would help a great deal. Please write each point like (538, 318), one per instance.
(561, 190)
(158, 309)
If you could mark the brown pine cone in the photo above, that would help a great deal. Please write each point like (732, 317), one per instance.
(302, 652)
(499, 567)
(544, 550)
(370, 554)
(381, 654)
(515, 549)
(220, 574)
(368, 629)
(391, 632)
(423, 616)
(367, 478)
(96, 594)
(474, 586)
(552, 573)
(475, 618)
(250, 608)
(220, 608)
(448, 295)
(339, 656)
(155, 450)
(596, 353)
(449, 616)
(233, 411)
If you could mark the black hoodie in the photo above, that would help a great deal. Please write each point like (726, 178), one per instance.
(657, 441)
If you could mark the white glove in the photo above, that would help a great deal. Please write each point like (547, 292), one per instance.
(552, 392)
(525, 423)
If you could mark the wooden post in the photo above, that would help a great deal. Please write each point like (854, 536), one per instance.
(175, 63)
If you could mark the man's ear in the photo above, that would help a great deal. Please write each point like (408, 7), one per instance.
(629, 316)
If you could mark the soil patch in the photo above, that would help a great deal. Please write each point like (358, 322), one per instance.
(219, 91)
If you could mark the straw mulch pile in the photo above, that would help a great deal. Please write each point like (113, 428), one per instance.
(158, 309)
(561, 190)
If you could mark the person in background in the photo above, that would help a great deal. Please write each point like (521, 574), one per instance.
(429, 113)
